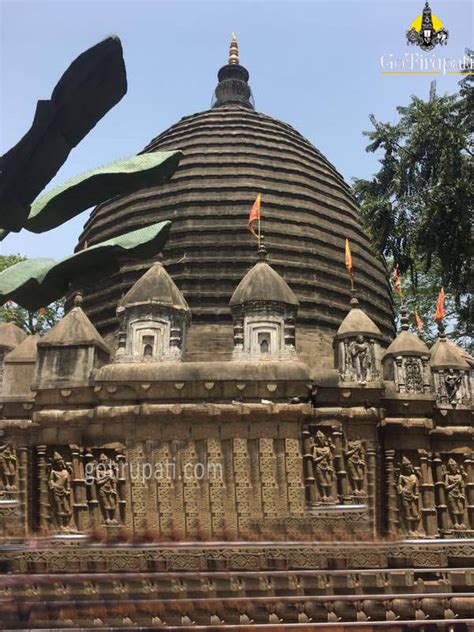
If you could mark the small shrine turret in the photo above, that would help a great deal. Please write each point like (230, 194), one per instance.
(154, 317)
(264, 310)
(406, 361)
(70, 352)
(358, 347)
(451, 373)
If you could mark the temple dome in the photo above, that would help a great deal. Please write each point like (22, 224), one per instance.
(446, 354)
(357, 323)
(406, 343)
(231, 153)
(263, 284)
(155, 286)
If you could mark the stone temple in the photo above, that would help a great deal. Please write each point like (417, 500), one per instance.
(231, 437)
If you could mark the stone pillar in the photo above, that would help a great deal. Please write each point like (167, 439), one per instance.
(443, 518)
(343, 490)
(43, 496)
(469, 466)
(426, 374)
(290, 336)
(175, 337)
(309, 480)
(239, 334)
(79, 504)
(121, 483)
(23, 486)
(392, 505)
(91, 491)
(428, 508)
(399, 374)
(371, 453)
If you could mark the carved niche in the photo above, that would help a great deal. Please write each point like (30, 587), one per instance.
(452, 386)
(105, 486)
(412, 374)
(356, 467)
(455, 494)
(408, 487)
(60, 487)
(359, 359)
(8, 470)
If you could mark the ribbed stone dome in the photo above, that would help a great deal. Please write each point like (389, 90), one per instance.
(231, 153)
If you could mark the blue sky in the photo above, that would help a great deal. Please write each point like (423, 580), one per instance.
(314, 64)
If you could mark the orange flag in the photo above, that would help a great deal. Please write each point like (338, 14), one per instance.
(348, 257)
(254, 215)
(419, 322)
(440, 311)
(397, 284)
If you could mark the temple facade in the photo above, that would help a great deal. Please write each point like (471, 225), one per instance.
(231, 437)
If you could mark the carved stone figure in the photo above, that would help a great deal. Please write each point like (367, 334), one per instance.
(60, 484)
(359, 353)
(408, 488)
(356, 466)
(106, 474)
(323, 453)
(455, 485)
(452, 384)
(8, 467)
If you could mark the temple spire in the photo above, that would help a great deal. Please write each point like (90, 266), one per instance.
(234, 50)
(233, 78)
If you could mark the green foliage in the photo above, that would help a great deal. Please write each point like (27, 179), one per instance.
(32, 322)
(418, 206)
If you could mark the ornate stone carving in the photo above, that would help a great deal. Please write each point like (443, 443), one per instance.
(358, 361)
(455, 479)
(322, 451)
(60, 486)
(356, 466)
(452, 386)
(413, 375)
(106, 478)
(408, 488)
(8, 468)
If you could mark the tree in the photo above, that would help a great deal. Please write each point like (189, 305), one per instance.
(418, 206)
(32, 322)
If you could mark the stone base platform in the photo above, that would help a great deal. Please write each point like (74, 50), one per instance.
(55, 584)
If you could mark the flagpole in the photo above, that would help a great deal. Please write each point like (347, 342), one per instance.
(259, 233)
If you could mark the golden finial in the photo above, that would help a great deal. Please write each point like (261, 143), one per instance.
(234, 50)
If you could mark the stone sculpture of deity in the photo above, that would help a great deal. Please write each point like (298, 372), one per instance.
(356, 466)
(60, 484)
(455, 486)
(359, 354)
(8, 467)
(106, 475)
(408, 488)
(324, 473)
(452, 384)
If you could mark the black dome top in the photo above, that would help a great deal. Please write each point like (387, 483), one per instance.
(231, 153)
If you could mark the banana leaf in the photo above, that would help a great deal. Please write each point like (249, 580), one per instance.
(35, 283)
(90, 87)
(88, 189)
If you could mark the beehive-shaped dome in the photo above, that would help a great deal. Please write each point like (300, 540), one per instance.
(231, 153)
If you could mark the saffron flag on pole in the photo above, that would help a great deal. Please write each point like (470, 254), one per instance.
(255, 215)
(397, 284)
(440, 311)
(348, 257)
(419, 322)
